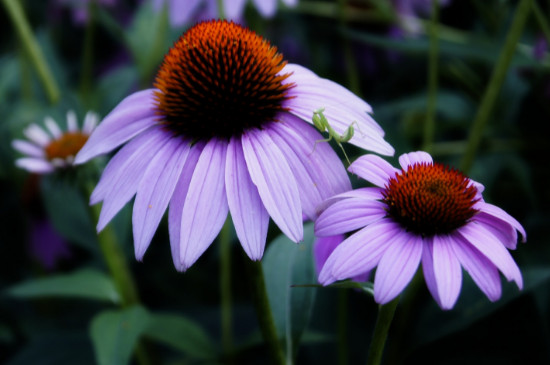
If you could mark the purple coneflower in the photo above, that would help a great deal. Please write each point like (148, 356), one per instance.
(57, 149)
(227, 128)
(424, 212)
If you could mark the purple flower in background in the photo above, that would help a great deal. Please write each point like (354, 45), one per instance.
(540, 48)
(227, 129)
(47, 246)
(45, 151)
(190, 11)
(424, 212)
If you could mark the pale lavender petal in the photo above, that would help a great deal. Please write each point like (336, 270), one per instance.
(178, 199)
(482, 239)
(233, 8)
(37, 165)
(374, 169)
(131, 116)
(348, 215)
(502, 215)
(249, 216)
(428, 269)
(37, 135)
(90, 122)
(447, 271)
(276, 184)
(370, 193)
(155, 190)
(266, 7)
(291, 3)
(205, 208)
(181, 11)
(481, 270)
(121, 187)
(397, 265)
(504, 231)
(72, 125)
(318, 171)
(409, 159)
(53, 127)
(360, 252)
(323, 247)
(27, 148)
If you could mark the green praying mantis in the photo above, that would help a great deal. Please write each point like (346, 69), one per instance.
(321, 123)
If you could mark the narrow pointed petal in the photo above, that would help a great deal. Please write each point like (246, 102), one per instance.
(447, 271)
(348, 215)
(411, 158)
(502, 215)
(481, 269)
(397, 266)
(482, 239)
(53, 127)
(249, 216)
(428, 269)
(72, 124)
(37, 165)
(37, 135)
(90, 122)
(155, 190)
(205, 208)
(319, 172)
(276, 184)
(178, 199)
(132, 116)
(374, 169)
(27, 148)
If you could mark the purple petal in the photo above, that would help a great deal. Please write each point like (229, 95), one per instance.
(155, 190)
(37, 165)
(318, 170)
(249, 216)
(181, 11)
(397, 266)
(178, 199)
(27, 148)
(276, 184)
(132, 116)
(266, 8)
(348, 215)
(502, 215)
(233, 8)
(53, 127)
(409, 159)
(374, 169)
(37, 135)
(322, 249)
(499, 228)
(370, 193)
(489, 245)
(428, 269)
(482, 271)
(447, 271)
(205, 208)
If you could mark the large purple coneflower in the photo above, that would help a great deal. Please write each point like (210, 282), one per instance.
(225, 129)
(424, 212)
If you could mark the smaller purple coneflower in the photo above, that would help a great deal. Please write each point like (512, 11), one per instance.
(425, 212)
(57, 149)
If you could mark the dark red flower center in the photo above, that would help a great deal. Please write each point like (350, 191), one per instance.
(66, 146)
(430, 199)
(220, 79)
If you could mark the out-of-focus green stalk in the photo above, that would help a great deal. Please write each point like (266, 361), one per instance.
(88, 53)
(15, 12)
(381, 329)
(25, 70)
(351, 65)
(342, 325)
(429, 125)
(541, 19)
(221, 12)
(263, 311)
(225, 288)
(495, 83)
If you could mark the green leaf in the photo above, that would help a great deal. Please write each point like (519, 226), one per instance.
(87, 284)
(115, 333)
(286, 264)
(182, 334)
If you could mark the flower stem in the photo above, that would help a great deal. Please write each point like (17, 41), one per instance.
(225, 288)
(221, 13)
(429, 126)
(381, 329)
(495, 83)
(263, 311)
(15, 12)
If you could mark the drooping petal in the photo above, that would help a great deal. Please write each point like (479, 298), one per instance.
(504, 231)
(397, 266)
(319, 172)
(249, 215)
(348, 215)
(447, 271)
(481, 269)
(428, 269)
(37, 135)
(37, 165)
(131, 116)
(28, 148)
(489, 245)
(409, 159)
(374, 169)
(370, 193)
(155, 190)
(120, 187)
(502, 215)
(360, 252)
(178, 199)
(205, 208)
(276, 184)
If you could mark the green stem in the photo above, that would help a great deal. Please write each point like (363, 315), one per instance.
(88, 53)
(495, 83)
(225, 288)
(541, 19)
(263, 311)
(15, 12)
(381, 329)
(429, 126)
(343, 344)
